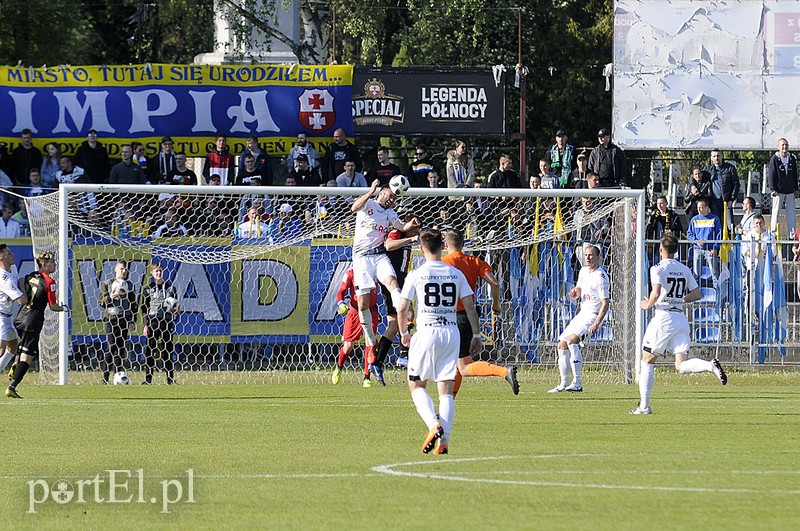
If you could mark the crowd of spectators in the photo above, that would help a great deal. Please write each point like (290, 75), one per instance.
(30, 173)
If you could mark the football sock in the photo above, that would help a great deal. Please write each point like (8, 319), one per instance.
(694, 365)
(169, 367)
(105, 376)
(366, 366)
(382, 351)
(342, 357)
(447, 410)
(576, 358)
(483, 368)
(396, 298)
(19, 374)
(563, 367)
(646, 377)
(8, 356)
(365, 318)
(457, 384)
(150, 364)
(424, 405)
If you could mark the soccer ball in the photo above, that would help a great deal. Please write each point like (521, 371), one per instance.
(121, 378)
(399, 184)
(120, 287)
(169, 304)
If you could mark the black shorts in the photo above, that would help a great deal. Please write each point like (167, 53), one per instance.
(465, 333)
(28, 343)
(387, 297)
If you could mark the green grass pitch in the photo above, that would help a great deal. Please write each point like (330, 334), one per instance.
(300, 456)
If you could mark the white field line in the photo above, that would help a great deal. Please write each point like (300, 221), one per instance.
(391, 469)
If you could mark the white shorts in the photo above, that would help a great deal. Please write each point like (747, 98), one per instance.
(7, 330)
(433, 354)
(667, 332)
(579, 326)
(367, 268)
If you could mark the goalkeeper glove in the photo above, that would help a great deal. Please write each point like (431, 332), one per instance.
(342, 308)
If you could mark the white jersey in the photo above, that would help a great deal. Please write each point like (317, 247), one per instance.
(594, 288)
(437, 288)
(373, 223)
(676, 280)
(9, 291)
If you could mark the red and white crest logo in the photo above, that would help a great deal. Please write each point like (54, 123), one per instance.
(316, 110)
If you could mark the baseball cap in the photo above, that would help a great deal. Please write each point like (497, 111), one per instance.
(302, 156)
(286, 208)
(166, 139)
(604, 132)
(582, 155)
(561, 132)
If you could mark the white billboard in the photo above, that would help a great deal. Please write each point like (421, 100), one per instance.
(697, 75)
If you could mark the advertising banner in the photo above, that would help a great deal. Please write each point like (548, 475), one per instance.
(413, 101)
(189, 103)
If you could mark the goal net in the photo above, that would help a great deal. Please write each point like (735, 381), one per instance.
(256, 272)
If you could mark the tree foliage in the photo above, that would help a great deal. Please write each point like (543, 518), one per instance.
(565, 43)
(52, 32)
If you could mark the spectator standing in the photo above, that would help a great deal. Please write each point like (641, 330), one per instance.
(338, 153)
(548, 180)
(24, 157)
(302, 148)
(70, 173)
(303, 173)
(141, 160)
(579, 176)
(663, 220)
(561, 158)
(782, 182)
(504, 176)
(384, 170)
(351, 178)
(699, 186)
(249, 171)
(703, 227)
(260, 158)
(165, 164)
(181, 174)
(93, 158)
(50, 165)
(421, 167)
(220, 162)
(126, 172)
(460, 167)
(607, 161)
(745, 225)
(724, 185)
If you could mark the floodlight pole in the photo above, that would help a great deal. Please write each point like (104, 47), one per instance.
(520, 71)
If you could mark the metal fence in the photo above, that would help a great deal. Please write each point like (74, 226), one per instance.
(732, 321)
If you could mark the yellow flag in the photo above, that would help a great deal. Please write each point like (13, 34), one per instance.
(533, 252)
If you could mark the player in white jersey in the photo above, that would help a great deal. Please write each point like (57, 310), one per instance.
(9, 292)
(434, 348)
(593, 291)
(374, 219)
(668, 331)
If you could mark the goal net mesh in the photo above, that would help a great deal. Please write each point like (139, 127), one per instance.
(257, 276)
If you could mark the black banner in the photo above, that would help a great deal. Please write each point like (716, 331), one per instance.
(415, 101)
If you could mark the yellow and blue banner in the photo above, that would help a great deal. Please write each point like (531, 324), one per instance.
(189, 103)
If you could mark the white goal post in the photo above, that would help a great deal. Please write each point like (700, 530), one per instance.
(260, 306)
